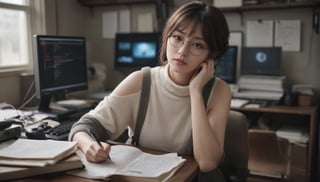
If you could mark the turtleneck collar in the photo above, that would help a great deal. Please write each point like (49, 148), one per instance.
(170, 86)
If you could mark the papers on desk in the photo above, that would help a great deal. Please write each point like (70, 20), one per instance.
(15, 172)
(8, 114)
(130, 163)
(36, 153)
(239, 102)
(294, 134)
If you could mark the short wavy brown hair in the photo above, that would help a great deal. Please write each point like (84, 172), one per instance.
(214, 27)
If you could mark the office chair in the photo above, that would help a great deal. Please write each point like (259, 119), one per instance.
(235, 164)
(268, 155)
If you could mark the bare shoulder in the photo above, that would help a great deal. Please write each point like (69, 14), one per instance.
(222, 91)
(223, 86)
(131, 84)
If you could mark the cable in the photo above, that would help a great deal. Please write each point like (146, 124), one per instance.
(28, 101)
(28, 91)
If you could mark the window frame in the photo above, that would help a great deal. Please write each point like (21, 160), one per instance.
(34, 23)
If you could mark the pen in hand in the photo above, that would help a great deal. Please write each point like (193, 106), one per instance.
(95, 138)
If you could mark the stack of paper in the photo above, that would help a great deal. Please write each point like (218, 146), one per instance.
(293, 134)
(36, 153)
(25, 157)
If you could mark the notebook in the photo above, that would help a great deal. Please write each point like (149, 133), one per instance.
(261, 61)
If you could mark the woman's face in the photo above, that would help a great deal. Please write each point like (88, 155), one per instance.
(186, 49)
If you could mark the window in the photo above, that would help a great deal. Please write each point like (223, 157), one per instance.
(14, 34)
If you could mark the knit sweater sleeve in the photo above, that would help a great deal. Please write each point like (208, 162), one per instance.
(110, 118)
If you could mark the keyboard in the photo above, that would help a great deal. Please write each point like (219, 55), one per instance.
(61, 131)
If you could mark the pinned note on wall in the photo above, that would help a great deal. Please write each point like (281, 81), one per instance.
(259, 33)
(145, 22)
(288, 34)
(109, 24)
(115, 21)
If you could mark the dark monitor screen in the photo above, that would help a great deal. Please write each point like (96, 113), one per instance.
(226, 65)
(60, 66)
(261, 61)
(135, 50)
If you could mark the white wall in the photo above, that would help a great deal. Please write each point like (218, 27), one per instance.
(71, 18)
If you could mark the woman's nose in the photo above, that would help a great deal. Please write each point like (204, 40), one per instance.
(184, 49)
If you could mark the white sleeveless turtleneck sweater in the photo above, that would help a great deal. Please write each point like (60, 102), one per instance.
(167, 125)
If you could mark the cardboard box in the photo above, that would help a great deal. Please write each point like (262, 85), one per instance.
(299, 153)
(297, 175)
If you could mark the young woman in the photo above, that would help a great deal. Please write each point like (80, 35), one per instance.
(193, 38)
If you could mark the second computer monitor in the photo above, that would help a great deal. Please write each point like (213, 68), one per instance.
(226, 66)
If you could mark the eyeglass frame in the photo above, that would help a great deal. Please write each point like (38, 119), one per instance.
(183, 42)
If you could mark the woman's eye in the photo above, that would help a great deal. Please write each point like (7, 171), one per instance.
(198, 45)
(177, 37)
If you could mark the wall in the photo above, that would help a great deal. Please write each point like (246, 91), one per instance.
(299, 67)
(99, 49)
(71, 18)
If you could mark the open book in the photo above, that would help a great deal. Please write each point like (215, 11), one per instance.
(35, 153)
(131, 164)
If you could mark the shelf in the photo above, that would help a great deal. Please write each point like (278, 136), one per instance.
(272, 6)
(92, 3)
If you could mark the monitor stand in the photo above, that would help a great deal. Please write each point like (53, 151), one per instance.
(56, 113)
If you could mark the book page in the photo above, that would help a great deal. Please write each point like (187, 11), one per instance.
(128, 161)
(148, 165)
(120, 157)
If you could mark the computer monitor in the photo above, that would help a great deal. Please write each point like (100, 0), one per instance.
(226, 65)
(261, 61)
(60, 67)
(135, 50)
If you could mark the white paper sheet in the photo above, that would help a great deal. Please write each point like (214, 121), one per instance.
(145, 23)
(259, 33)
(288, 34)
(109, 24)
(124, 21)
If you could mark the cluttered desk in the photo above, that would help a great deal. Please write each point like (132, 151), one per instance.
(59, 160)
(62, 161)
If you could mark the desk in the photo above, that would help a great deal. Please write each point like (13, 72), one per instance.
(310, 116)
(186, 173)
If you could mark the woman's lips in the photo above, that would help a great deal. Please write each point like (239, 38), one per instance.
(179, 61)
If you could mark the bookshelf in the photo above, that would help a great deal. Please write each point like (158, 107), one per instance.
(308, 115)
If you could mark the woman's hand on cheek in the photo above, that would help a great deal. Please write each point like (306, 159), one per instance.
(202, 75)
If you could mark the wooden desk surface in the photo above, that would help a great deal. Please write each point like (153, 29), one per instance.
(186, 173)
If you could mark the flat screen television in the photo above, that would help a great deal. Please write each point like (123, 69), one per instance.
(60, 67)
(226, 65)
(135, 50)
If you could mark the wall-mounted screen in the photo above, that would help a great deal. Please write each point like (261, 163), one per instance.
(135, 50)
